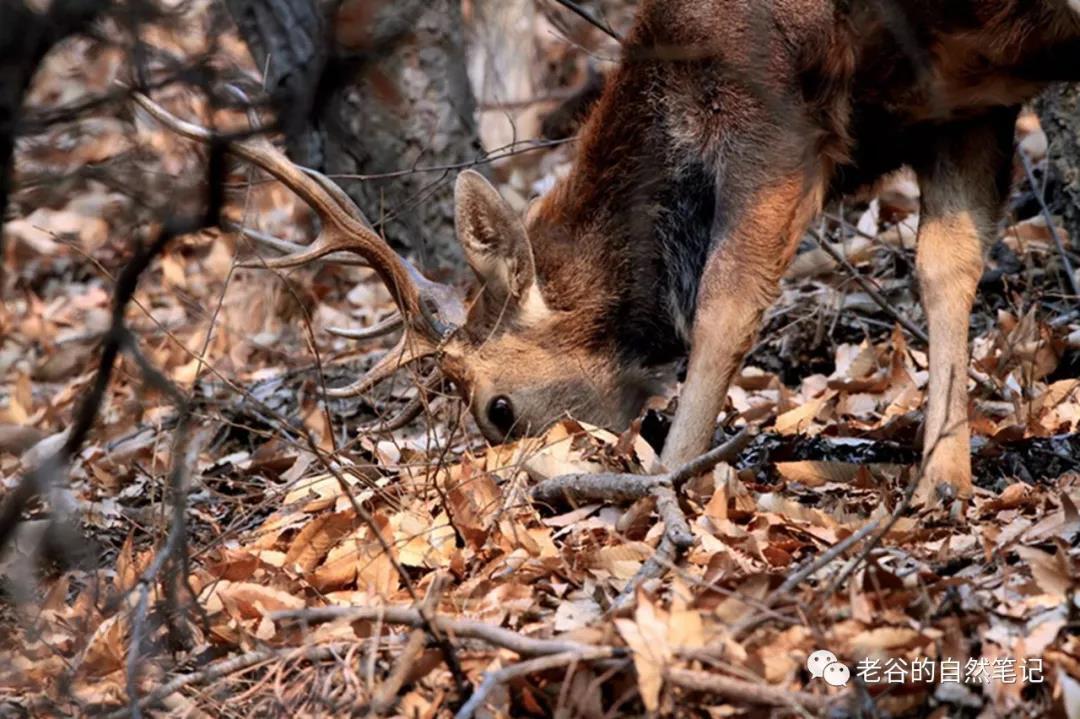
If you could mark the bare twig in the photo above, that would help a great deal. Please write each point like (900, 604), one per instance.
(509, 673)
(913, 329)
(626, 487)
(662, 488)
(35, 481)
(870, 289)
(746, 692)
(465, 628)
(591, 19)
(225, 667)
(1058, 242)
(386, 695)
(25, 38)
(794, 580)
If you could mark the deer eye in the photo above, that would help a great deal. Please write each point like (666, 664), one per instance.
(500, 412)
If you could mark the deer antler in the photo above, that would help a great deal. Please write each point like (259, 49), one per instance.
(429, 311)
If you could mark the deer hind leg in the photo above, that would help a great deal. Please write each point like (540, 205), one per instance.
(963, 185)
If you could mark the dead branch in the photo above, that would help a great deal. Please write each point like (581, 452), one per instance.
(465, 628)
(872, 291)
(225, 667)
(913, 329)
(746, 692)
(794, 580)
(426, 618)
(662, 488)
(627, 487)
(173, 553)
(37, 480)
(1066, 264)
(591, 19)
(506, 674)
(386, 695)
(25, 38)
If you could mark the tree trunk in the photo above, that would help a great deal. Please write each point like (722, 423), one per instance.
(1059, 112)
(376, 88)
(290, 44)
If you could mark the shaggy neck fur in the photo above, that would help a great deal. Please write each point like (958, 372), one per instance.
(620, 244)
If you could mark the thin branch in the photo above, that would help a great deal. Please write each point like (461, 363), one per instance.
(386, 695)
(746, 692)
(591, 19)
(913, 329)
(794, 580)
(1065, 262)
(463, 628)
(868, 286)
(224, 668)
(662, 488)
(37, 480)
(626, 487)
(520, 669)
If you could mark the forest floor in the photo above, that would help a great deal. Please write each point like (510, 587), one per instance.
(334, 569)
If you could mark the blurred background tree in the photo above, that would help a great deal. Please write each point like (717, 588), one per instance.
(374, 88)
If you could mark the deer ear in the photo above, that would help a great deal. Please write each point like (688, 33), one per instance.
(493, 238)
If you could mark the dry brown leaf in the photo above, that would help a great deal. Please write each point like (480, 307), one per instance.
(1050, 571)
(249, 600)
(315, 540)
(801, 419)
(815, 474)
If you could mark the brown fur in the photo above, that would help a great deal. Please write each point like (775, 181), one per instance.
(724, 130)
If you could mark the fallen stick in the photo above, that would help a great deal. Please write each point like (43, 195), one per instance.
(546, 653)
(551, 661)
(467, 628)
(745, 692)
(626, 487)
(663, 488)
(794, 580)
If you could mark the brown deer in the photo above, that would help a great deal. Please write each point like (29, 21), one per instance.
(727, 126)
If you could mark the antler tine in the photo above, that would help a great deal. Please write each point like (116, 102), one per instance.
(344, 229)
(284, 246)
(380, 328)
(408, 350)
(412, 409)
(331, 187)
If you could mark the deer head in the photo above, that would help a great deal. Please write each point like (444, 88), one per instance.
(518, 360)
(523, 360)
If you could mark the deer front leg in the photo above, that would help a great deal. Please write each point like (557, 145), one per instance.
(740, 281)
(962, 189)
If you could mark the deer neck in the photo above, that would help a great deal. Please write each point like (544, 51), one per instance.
(621, 242)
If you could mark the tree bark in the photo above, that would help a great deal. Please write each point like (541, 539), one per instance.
(1059, 112)
(374, 88)
(289, 42)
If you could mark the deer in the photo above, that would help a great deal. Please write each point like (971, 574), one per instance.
(723, 132)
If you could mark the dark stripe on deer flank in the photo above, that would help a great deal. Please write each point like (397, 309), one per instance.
(653, 323)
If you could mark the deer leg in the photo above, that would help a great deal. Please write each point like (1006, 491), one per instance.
(740, 281)
(962, 186)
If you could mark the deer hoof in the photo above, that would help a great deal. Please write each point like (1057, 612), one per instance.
(946, 478)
